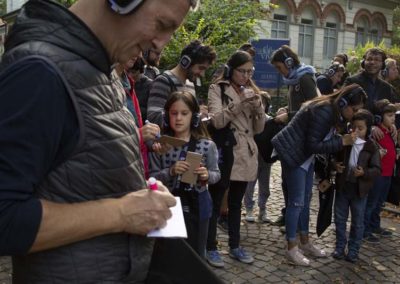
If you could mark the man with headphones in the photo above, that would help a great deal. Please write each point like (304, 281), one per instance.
(327, 81)
(195, 59)
(377, 89)
(151, 59)
(74, 203)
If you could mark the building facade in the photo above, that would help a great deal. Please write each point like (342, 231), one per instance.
(318, 29)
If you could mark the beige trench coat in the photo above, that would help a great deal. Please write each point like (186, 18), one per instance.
(246, 121)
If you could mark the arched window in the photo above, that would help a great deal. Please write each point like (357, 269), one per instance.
(306, 34)
(280, 23)
(330, 35)
(375, 33)
(362, 27)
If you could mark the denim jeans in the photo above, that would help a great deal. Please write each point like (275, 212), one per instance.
(347, 198)
(263, 175)
(299, 185)
(376, 197)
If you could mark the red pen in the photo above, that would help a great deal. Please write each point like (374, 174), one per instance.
(152, 183)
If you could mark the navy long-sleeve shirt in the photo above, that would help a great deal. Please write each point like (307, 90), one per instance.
(38, 130)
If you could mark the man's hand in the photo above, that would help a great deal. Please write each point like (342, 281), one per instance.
(377, 133)
(150, 131)
(339, 167)
(145, 210)
(358, 171)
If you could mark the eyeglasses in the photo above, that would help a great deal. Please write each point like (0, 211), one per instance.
(245, 72)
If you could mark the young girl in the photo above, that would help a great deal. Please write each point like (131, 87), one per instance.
(182, 120)
(353, 183)
(384, 113)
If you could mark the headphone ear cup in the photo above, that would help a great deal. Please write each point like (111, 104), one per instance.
(377, 119)
(196, 118)
(384, 73)
(227, 72)
(185, 62)
(165, 119)
(363, 64)
(124, 7)
(331, 72)
(342, 103)
(289, 62)
(383, 66)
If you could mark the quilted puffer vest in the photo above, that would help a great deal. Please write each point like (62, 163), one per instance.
(106, 162)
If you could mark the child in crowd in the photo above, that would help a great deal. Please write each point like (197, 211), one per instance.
(264, 145)
(182, 120)
(353, 182)
(384, 113)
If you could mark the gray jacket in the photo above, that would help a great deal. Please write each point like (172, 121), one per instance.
(106, 162)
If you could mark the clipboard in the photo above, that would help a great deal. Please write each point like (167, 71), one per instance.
(194, 160)
(165, 139)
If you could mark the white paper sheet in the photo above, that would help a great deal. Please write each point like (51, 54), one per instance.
(175, 227)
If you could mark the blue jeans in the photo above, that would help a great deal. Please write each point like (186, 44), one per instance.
(299, 185)
(347, 198)
(376, 197)
(263, 175)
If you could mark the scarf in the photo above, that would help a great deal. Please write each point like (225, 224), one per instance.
(296, 73)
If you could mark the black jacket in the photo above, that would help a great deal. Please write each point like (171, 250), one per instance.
(369, 159)
(305, 133)
(263, 140)
(383, 90)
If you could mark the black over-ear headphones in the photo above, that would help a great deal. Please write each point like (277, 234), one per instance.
(289, 61)
(186, 60)
(335, 67)
(384, 57)
(195, 122)
(124, 7)
(345, 99)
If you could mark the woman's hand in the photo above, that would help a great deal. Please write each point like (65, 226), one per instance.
(179, 168)
(349, 139)
(202, 172)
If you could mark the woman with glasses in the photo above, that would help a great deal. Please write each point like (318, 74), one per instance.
(234, 102)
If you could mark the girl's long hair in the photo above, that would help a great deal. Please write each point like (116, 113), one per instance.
(191, 101)
(352, 94)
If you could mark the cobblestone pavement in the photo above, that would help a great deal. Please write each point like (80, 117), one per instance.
(379, 263)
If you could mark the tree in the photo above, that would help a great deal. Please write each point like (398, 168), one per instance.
(223, 24)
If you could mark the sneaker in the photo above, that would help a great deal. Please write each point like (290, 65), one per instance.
(222, 223)
(371, 239)
(311, 249)
(241, 255)
(214, 259)
(338, 254)
(249, 216)
(262, 217)
(280, 221)
(382, 232)
(295, 257)
(352, 257)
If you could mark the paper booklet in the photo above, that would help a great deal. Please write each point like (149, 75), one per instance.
(175, 227)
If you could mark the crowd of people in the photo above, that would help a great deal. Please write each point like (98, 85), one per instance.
(82, 110)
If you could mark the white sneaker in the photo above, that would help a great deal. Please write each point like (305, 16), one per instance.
(262, 217)
(295, 257)
(249, 216)
(311, 249)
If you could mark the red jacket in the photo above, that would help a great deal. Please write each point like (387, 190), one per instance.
(389, 159)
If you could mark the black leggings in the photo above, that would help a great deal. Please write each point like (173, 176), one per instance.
(236, 192)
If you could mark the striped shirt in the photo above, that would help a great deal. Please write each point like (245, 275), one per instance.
(162, 86)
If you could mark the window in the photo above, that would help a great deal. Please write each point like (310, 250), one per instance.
(330, 40)
(375, 33)
(361, 34)
(306, 35)
(279, 26)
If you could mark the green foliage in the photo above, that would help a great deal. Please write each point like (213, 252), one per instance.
(66, 3)
(356, 55)
(223, 24)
